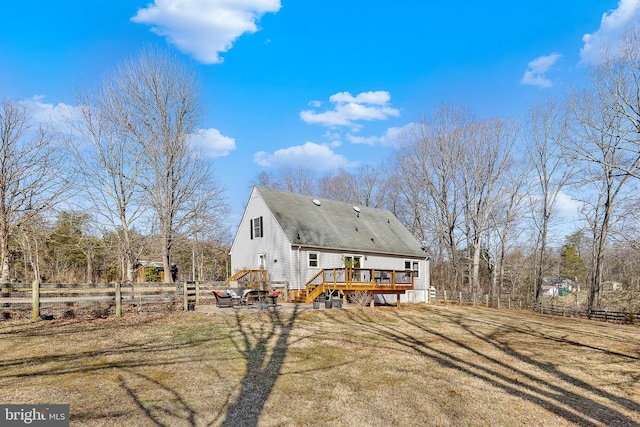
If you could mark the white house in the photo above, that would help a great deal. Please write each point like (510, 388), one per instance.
(294, 237)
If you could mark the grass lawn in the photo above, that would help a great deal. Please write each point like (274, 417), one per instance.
(417, 365)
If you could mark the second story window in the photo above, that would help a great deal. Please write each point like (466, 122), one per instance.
(256, 228)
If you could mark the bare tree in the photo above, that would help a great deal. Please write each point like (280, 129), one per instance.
(546, 132)
(607, 145)
(205, 225)
(160, 98)
(339, 186)
(30, 172)
(298, 180)
(32, 235)
(616, 84)
(505, 218)
(109, 163)
(483, 167)
(428, 182)
(365, 187)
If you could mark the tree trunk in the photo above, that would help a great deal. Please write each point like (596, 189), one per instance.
(4, 257)
(475, 275)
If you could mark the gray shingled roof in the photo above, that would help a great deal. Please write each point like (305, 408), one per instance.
(336, 225)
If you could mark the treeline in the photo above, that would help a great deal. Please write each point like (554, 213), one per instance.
(72, 248)
(485, 195)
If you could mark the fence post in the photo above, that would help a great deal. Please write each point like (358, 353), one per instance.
(498, 302)
(460, 297)
(487, 298)
(35, 287)
(509, 303)
(118, 300)
(445, 297)
(198, 293)
(185, 294)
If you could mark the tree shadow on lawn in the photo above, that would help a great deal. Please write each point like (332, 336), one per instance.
(551, 369)
(73, 362)
(534, 328)
(121, 354)
(167, 408)
(262, 367)
(28, 328)
(262, 345)
(499, 374)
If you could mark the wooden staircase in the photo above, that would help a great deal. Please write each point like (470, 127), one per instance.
(312, 290)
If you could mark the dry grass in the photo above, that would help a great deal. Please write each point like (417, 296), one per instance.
(411, 366)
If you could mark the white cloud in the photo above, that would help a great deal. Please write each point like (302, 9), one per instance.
(310, 155)
(379, 97)
(350, 109)
(389, 138)
(212, 143)
(568, 207)
(366, 140)
(612, 27)
(204, 28)
(42, 112)
(536, 70)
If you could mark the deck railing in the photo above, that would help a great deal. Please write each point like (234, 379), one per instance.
(249, 278)
(368, 276)
(358, 279)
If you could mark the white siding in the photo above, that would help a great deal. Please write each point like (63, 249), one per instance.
(274, 244)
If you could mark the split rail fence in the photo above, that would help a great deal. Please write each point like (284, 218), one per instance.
(506, 302)
(49, 299)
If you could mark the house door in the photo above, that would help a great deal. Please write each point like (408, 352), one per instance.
(262, 258)
(354, 262)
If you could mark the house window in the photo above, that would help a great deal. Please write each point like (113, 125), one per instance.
(256, 228)
(413, 266)
(313, 259)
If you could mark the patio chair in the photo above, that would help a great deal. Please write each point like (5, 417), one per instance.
(272, 298)
(254, 296)
(237, 299)
(223, 299)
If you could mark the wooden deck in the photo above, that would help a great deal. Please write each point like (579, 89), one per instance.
(344, 281)
(349, 280)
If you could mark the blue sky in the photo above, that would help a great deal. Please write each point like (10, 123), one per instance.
(321, 84)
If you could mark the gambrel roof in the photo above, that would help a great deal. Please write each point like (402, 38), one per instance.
(329, 224)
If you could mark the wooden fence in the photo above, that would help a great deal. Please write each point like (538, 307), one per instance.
(509, 303)
(460, 298)
(602, 315)
(49, 299)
